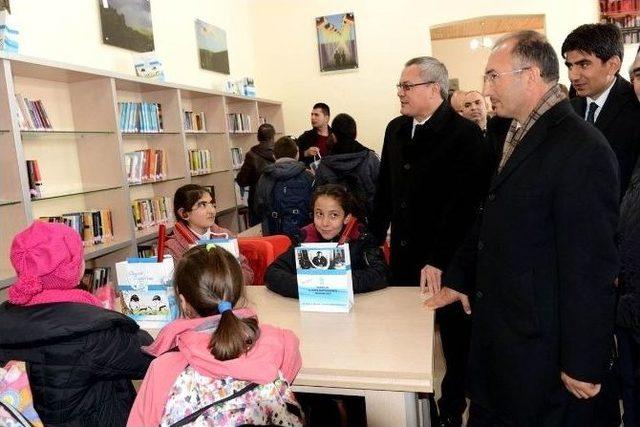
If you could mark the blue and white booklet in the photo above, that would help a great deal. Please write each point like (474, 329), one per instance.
(225, 242)
(324, 277)
(147, 291)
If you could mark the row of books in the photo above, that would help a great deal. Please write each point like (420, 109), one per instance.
(239, 123)
(242, 195)
(140, 116)
(194, 122)
(147, 250)
(236, 157)
(624, 22)
(31, 114)
(94, 226)
(616, 6)
(150, 212)
(145, 166)
(200, 161)
(95, 278)
(35, 179)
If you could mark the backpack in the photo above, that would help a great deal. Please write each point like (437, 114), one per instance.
(290, 199)
(197, 400)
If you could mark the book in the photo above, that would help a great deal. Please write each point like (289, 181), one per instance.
(94, 227)
(324, 277)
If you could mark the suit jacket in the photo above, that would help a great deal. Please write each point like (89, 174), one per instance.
(429, 189)
(619, 121)
(540, 266)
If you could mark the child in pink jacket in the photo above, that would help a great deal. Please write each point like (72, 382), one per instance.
(215, 344)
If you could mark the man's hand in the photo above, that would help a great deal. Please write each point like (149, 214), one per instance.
(430, 279)
(447, 296)
(579, 389)
(311, 151)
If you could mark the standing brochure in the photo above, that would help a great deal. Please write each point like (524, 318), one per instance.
(147, 291)
(324, 277)
(230, 244)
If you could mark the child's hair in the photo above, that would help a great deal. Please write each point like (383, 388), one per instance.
(185, 197)
(205, 276)
(285, 147)
(343, 197)
(344, 127)
(266, 132)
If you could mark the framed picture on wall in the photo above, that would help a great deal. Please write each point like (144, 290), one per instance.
(625, 14)
(212, 47)
(127, 24)
(337, 49)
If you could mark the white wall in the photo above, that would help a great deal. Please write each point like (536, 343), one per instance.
(69, 31)
(388, 34)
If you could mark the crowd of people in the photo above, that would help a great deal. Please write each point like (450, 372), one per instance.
(515, 206)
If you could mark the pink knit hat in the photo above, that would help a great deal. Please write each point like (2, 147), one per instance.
(47, 258)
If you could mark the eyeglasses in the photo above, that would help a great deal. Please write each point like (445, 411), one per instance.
(203, 205)
(406, 87)
(493, 76)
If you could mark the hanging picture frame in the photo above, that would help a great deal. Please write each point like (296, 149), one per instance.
(337, 47)
(127, 24)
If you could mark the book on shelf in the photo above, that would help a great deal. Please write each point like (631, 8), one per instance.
(242, 195)
(200, 161)
(150, 212)
(140, 117)
(194, 122)
(148, 250)
(94, 227)
(239, 123)
(236, 157)
(94, 278)
(32, 115)
(35, 179)
(262, 120)
(145, 166)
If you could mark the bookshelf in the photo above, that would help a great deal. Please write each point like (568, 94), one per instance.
(82, 158)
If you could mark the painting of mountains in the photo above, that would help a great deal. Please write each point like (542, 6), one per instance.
(212, 46)
(127, 24)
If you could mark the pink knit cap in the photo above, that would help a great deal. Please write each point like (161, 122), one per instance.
(47, 258)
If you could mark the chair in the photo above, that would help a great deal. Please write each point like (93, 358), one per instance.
(261, 252)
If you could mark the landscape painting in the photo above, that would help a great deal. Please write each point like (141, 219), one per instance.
(127, 24)
(212, 47)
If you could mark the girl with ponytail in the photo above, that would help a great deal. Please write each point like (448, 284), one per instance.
(216, 349)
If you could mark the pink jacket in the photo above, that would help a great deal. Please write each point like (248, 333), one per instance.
(275, 350)
(176, 245)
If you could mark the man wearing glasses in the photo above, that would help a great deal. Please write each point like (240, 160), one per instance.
(434, 171)
(541, 260)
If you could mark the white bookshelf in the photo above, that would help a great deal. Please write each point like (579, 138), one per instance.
(81, 159)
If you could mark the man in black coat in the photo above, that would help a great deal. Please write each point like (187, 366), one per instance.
(593, 56)
(313, 144)
(434, 171)
(542, 258)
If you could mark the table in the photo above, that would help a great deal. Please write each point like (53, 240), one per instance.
(382, 349)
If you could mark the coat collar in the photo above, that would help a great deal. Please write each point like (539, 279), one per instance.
(621, 94)
(536, 135)
(437, 122)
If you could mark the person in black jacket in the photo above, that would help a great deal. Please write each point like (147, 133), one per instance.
(313, 144)
(628, 312)
(80, 357)
(255, 161)
(333, 207)
(350, 163)
(434, 172)
(593, 55)
(541, 260)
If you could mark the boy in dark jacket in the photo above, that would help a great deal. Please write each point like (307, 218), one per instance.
(350, 163)
(283, 191)
(255, 161)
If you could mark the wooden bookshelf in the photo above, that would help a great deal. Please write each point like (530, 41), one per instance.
(82, 157)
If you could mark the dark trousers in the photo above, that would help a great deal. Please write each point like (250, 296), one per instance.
(455, 334)
(629, 365)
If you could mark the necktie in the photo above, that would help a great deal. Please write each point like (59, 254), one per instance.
(592, 112)
(417, 129)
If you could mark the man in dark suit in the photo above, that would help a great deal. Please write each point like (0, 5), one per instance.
(593, 56)
(541, 260)
(434, 171)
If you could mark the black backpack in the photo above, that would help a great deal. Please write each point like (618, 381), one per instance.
(289, 210)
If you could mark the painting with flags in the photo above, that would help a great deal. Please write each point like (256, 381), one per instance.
(337, 48)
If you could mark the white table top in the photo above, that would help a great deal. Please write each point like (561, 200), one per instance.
(384, 343)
